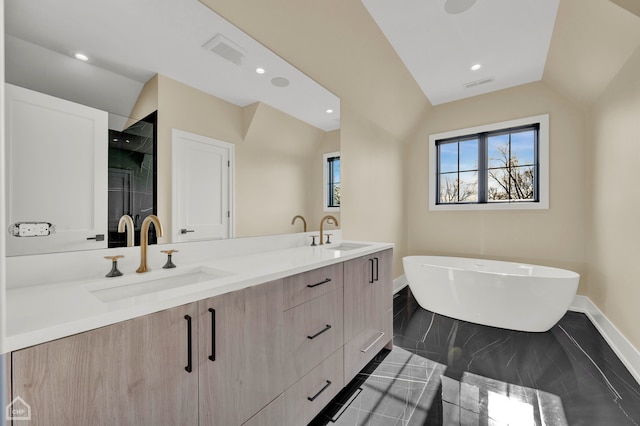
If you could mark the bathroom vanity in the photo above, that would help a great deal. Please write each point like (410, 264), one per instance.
(270, 343)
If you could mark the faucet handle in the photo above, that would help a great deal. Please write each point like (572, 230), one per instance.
(114, 272)
(169, 263)
(313, 239)
(328, 238)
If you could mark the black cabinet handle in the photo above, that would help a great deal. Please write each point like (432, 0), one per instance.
(371, 279)
(185, 230)
(320, 283)
(98, 237)
(312, 398)
(188, 368)
(212, 357)
(377, 269)
(319, 332)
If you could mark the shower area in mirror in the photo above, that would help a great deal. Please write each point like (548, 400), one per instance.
(132, 176)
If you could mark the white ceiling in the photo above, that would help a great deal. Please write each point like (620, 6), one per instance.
(137, 39)
(509, 38)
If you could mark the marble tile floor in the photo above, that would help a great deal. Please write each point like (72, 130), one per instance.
(448, 372)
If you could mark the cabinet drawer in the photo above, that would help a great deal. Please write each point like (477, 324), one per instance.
(309, 285)
(313, 332)
(308, 396)
(271, 415)
(362, 348)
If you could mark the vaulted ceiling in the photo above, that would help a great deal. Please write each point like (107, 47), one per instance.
(339, 44)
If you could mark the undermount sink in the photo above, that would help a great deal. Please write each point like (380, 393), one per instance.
(114, 289)
(345, 246)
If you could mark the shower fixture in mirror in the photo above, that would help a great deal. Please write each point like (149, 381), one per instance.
(198, 71)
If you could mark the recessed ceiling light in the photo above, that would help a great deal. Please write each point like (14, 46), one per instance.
(81, 57)
(476, 67)
(260, 70)
(329, 111)
(458, 6)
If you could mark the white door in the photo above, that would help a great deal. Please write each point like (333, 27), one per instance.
(56, 170)
(202, 170)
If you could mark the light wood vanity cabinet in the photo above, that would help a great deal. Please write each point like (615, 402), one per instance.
(368, 314)
(241, 363)
(271, 354)
(130, 373)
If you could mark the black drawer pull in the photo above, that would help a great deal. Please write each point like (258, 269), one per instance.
(371, 280)
(212, 357)
(320, 283)
(188, 368)
(312, 398)
(319, 332)
(377, 269)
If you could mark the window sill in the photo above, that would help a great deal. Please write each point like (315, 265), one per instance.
(490, 206)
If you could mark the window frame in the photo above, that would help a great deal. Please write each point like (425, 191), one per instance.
(542, 189)
(325, 180)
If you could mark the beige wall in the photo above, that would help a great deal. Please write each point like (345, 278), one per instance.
(273, 150)
(373, 195)
(554, 237)
(315, 182)
(614, 255)
(273, 180)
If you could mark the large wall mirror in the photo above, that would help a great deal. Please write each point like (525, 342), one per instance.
(153, 66)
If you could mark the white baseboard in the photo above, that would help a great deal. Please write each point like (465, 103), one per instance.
(627, 353)
(399, 283)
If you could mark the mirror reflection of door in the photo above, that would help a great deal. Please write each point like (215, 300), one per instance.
(202, 173)
(42, 133)
(132, 177)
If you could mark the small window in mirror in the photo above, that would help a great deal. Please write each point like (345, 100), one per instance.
(331, 162)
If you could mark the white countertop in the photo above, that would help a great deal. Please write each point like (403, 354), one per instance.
(44, 312)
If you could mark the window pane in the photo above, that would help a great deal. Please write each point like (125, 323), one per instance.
(448, 157)
(449, 188)
(468, 187)
(469, 155)
(498, 185)
(522, 148)
(498, 151)
(521, 182)
(333, 177)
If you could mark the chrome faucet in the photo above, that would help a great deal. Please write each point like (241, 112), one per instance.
(335, 222)
(303, 221)
(126, 223)
(144, 239)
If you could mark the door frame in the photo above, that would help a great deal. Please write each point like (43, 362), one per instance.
(175, 135)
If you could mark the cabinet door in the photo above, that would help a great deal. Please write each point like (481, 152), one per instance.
(246, 372)
(221, 333)
(368, 291)
(131, 373)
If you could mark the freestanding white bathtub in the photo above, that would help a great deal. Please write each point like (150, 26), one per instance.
(500, 294)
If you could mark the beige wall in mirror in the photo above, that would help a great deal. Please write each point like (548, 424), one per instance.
(278, 171)
(278, 157)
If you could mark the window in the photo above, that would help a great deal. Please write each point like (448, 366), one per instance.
(331, 163)
(494, 167)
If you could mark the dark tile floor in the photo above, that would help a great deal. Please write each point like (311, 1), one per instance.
(448, 372)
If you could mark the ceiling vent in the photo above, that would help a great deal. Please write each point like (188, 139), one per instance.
(222, 46)
(478, 82)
